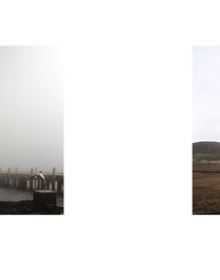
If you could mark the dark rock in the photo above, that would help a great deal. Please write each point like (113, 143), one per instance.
(25, 207)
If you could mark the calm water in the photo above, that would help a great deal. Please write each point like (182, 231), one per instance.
(10, 194)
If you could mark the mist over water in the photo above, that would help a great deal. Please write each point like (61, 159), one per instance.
(31, 108)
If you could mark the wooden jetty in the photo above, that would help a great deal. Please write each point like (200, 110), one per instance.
(21, 180)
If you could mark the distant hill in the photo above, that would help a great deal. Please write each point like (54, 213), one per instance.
(206, 151)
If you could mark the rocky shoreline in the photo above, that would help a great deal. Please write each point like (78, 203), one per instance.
(25, 207)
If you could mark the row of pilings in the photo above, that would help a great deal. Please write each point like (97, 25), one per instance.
(21, 180)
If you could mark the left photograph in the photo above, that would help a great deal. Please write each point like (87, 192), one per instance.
(31, 122)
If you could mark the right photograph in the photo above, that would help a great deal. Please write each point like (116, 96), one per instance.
(206, 130)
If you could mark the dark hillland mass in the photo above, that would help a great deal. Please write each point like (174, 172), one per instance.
(206, 151)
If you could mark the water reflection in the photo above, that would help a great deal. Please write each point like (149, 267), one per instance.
(12, 194)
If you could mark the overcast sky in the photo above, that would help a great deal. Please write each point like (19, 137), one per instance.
(31, 108)
(206, 93)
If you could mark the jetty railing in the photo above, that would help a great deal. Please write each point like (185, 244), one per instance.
(21, 180)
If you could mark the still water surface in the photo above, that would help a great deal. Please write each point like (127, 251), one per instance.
(10, 194)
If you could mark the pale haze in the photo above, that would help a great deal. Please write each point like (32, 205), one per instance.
(31, 108)
(206, 93)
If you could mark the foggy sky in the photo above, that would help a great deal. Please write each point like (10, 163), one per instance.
(206, 93)
(31, 108)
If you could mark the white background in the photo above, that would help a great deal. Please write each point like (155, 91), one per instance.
(128, 119)
(206, 92)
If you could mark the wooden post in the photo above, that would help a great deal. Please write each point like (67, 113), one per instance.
(53, 178)
(59, 186)
(39, 183)
(9, 179)
(16, 177)
(32, 181)
(36, 185)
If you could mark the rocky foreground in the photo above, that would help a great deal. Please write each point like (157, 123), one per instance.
(25, 207)
(206, 188)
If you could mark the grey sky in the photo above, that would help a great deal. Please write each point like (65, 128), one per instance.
(31, 108)
(206, 93)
